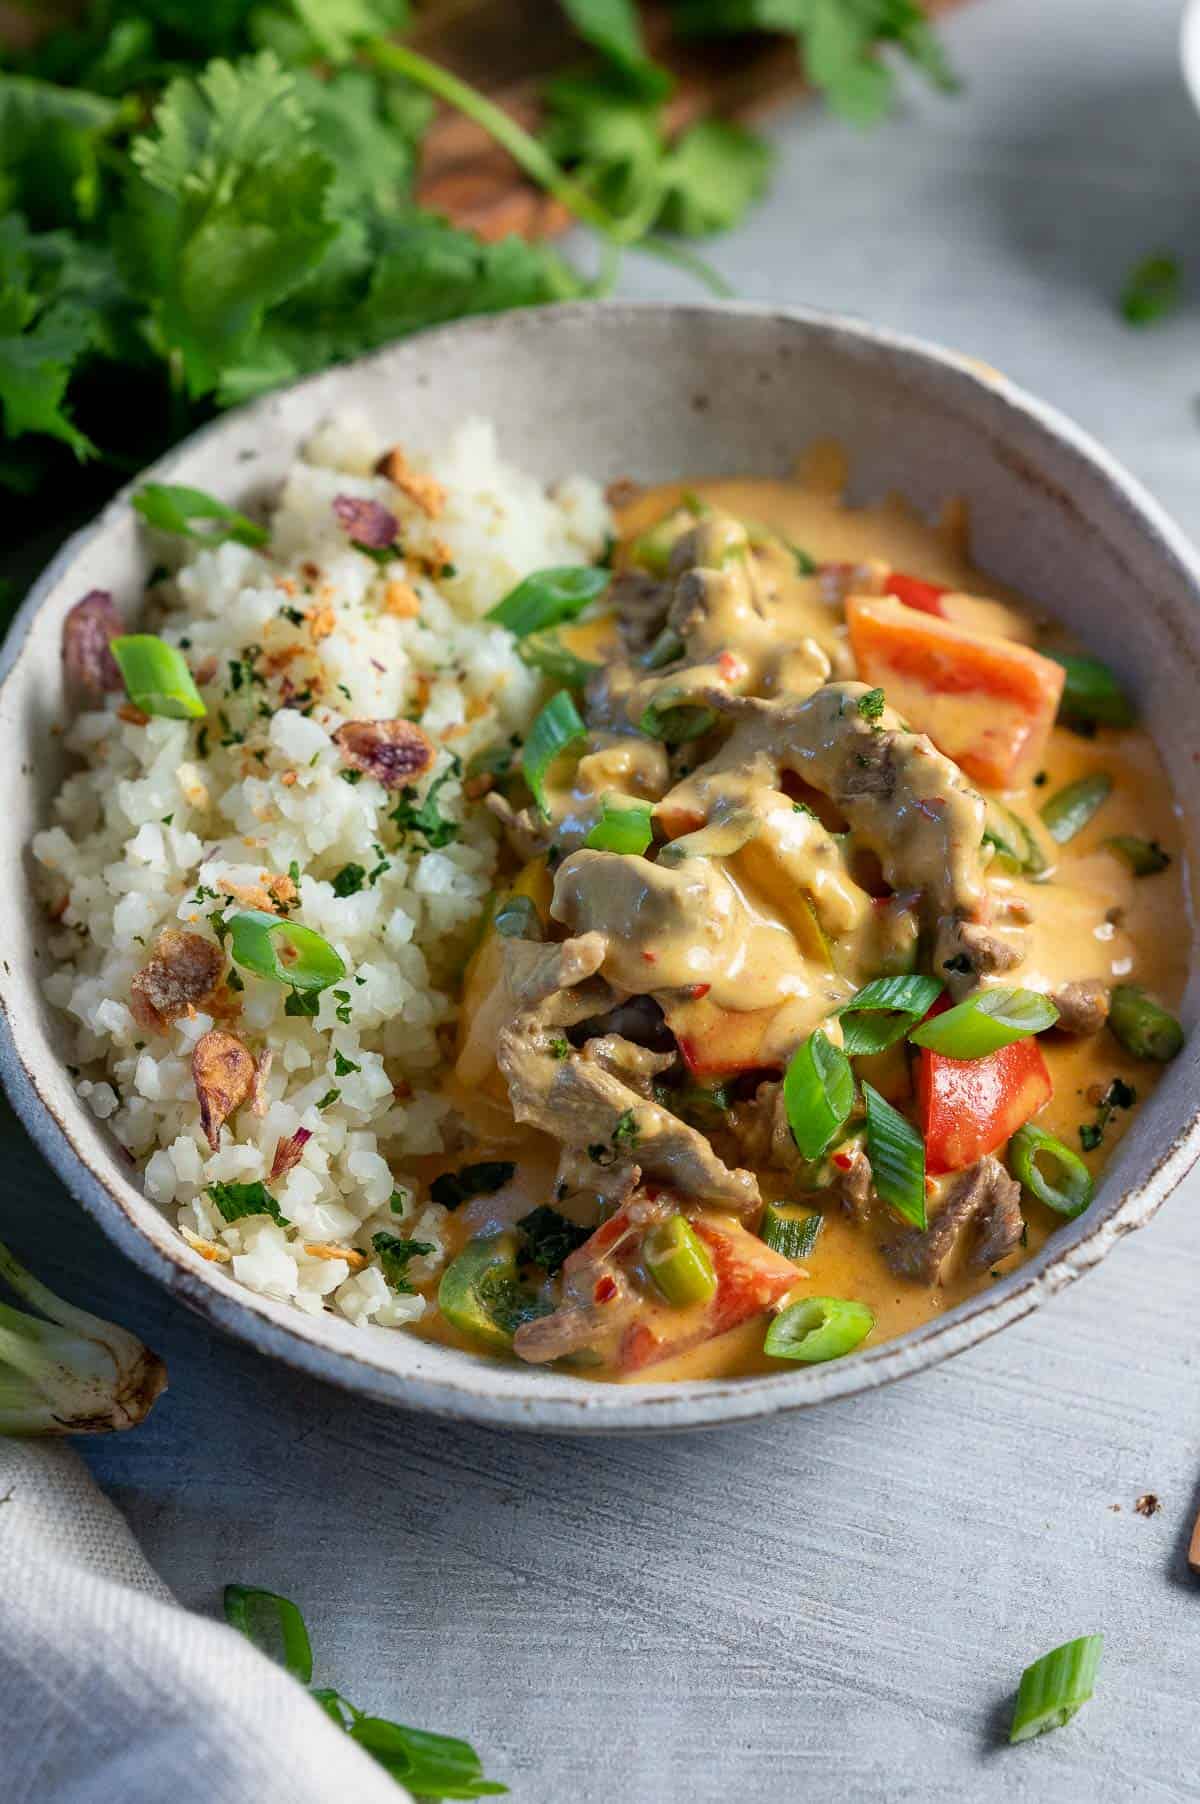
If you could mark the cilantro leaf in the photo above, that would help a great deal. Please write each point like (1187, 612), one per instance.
(549, 1237)
(714, 172)
(426, 818)
(225, 211)
(233, 1201)
(42, 340)
(612, 28)
(49, 136)
(395, 1255)
(171, 508)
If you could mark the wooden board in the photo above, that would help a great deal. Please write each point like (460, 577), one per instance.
(509, 48)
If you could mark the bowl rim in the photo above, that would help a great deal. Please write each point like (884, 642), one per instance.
(283, 1333)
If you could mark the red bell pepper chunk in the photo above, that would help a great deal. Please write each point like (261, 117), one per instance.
(969, 1107)
(925, 597)
(750, 1279)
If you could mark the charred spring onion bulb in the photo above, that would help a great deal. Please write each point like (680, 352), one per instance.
(817, 1329)
(283, 951)
(64, 1371)
(156, 678)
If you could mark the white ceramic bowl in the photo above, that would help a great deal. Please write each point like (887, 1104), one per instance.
(650, 392)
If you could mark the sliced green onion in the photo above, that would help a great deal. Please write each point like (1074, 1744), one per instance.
(794, 1236)
(1091, 692)
(1054, 1687)
(652, 549)
(1143, 1026)
(282, 951)
(517, 918)
(549, 597)
(1069, 812)
(897, 1155)
(1071, 1189)
(156, 678)
(1014, 847)
(678, 1261)
(274, 1625)
(624, 826)
(986, 1021)
(677, 722)
(665, 650)
(547, 653)
(817, 1329)
(884, 1010)
(171, 508)
(556, 727)
(1145, 857)
(818, 1093)
(427, 1765)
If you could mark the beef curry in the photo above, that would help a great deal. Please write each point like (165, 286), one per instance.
(846, 910)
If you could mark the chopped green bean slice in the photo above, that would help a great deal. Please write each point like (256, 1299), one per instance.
(1091, 692)
(1069, 812)
(1143, 1026)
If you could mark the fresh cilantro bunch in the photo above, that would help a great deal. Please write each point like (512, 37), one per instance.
(200, 202)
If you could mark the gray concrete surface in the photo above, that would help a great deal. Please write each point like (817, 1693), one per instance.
(834, 1607)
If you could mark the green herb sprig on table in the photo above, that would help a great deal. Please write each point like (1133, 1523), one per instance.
(431, 1766)
(202, 203)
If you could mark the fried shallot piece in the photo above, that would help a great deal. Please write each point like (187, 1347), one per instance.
(394, 752)
(88, 632)
(223, 1073)
(182, 973)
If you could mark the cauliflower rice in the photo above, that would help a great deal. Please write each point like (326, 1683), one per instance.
(170, 822)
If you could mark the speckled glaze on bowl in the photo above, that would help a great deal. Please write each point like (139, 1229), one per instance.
(651, 392)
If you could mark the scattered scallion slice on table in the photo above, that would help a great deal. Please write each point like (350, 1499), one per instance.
(985, 1022)
(1053, 1688)
(1145, 857)
(817, 1329)
(283, 951)
(556, 727)
(678, 1261)
(1069, 811)
(549, 597)
(156, 677)
(794, 1236)
(897, 1155)
(274, 1625)
(1050, 1171)
(1144, 1027)
(884, 1011)
(1091, 692)
(818, 1093)
(624, 826)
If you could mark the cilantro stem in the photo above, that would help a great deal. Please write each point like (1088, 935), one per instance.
(522, 147)
(655, 245)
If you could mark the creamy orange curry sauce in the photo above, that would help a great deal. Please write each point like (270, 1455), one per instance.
(799, 749)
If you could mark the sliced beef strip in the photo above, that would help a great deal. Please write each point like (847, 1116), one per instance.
(983, 1198)
(965, 951)
(640, 603)
(594, 1113)
(1082, 1007)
